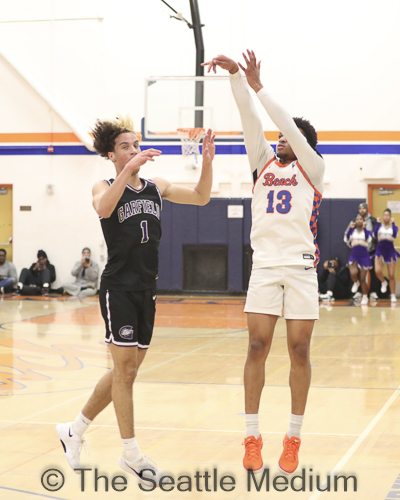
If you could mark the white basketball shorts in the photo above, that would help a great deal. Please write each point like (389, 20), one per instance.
(288, 291)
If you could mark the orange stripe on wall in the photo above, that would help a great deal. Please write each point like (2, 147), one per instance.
(354, 135)
(41, 137)
(332, 135)
(323, 135)
(348, 135)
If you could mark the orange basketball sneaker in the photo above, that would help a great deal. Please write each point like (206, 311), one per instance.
(252, 453)
(290, 456)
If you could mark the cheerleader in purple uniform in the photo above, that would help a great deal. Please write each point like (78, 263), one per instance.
(385, 232)
(358, 238)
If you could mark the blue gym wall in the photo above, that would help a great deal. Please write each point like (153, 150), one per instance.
(183, 224)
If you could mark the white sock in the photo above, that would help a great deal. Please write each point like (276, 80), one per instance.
(80, 424)
(252, 425)
(295, 423)
(131, 450)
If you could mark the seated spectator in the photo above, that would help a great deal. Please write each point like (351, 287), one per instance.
(358, 239)
(8, 273)
(334, 282)
(86, 272)
(36, 280)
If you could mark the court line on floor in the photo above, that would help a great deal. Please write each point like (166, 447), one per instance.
(32, 493)
(195, 421)
(281, 386)
(181, 356)
(289, 362)
(222, 366)
(346, 457)
(228, 431)
(142, 371)
(43, 316)
(22, 420)
(190, 336)
(219, 406)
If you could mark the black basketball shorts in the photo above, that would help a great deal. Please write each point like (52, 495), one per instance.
(129, 316)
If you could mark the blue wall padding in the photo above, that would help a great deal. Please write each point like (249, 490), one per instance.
(188, 224)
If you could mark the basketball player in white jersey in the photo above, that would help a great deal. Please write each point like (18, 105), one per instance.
(286, 197)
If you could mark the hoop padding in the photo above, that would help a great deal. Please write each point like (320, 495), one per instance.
(190, 139)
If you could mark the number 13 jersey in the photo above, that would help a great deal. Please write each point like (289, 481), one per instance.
(132, 235)
(285, 209)
(286, 198)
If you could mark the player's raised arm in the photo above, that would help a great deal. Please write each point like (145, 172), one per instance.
(259, 151)
(308, 158)
(200, 195)
(106, 197)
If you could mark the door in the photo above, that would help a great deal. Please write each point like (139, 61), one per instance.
(380, 197)
(6, 219)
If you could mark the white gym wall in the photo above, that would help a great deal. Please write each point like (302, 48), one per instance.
(336, 64)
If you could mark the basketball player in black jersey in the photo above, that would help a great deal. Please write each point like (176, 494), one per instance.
(129, 208)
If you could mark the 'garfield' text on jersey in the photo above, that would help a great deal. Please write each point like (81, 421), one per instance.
(132, 235)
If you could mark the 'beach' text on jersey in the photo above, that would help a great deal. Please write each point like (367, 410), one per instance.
(271, 180)
(138, 207)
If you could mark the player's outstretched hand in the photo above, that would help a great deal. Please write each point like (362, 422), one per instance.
(252, 70)
(353, 225)
(208, 146)
(142, 157)
(378, 220)
(223, 62)
(392, 220)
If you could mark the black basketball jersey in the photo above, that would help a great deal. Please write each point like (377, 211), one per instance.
(132, 235)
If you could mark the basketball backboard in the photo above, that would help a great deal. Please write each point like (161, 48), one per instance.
(170, 104)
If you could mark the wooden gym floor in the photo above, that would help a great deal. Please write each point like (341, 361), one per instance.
(189, 400)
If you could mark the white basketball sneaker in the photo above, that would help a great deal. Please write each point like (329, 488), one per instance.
(144, 470)
(355, 286)
(72, 444)
(384, 286)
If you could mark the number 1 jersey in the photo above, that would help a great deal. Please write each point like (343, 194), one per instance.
(132, 235)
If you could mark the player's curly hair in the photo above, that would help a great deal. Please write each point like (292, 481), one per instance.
(309, 131)
(105, 132)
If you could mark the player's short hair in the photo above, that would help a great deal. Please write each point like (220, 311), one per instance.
(2, 250)
(105, 133)
(308, 129)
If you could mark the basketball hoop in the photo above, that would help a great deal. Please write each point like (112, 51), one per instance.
(190, 139)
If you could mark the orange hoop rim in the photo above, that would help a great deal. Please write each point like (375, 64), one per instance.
(191, 133)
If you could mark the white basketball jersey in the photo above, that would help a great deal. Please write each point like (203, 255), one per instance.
(286, 198)
(285, 208)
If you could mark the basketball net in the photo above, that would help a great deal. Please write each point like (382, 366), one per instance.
(190, 140)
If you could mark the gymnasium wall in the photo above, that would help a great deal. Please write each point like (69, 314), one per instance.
(210, 226)
(337, 64)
